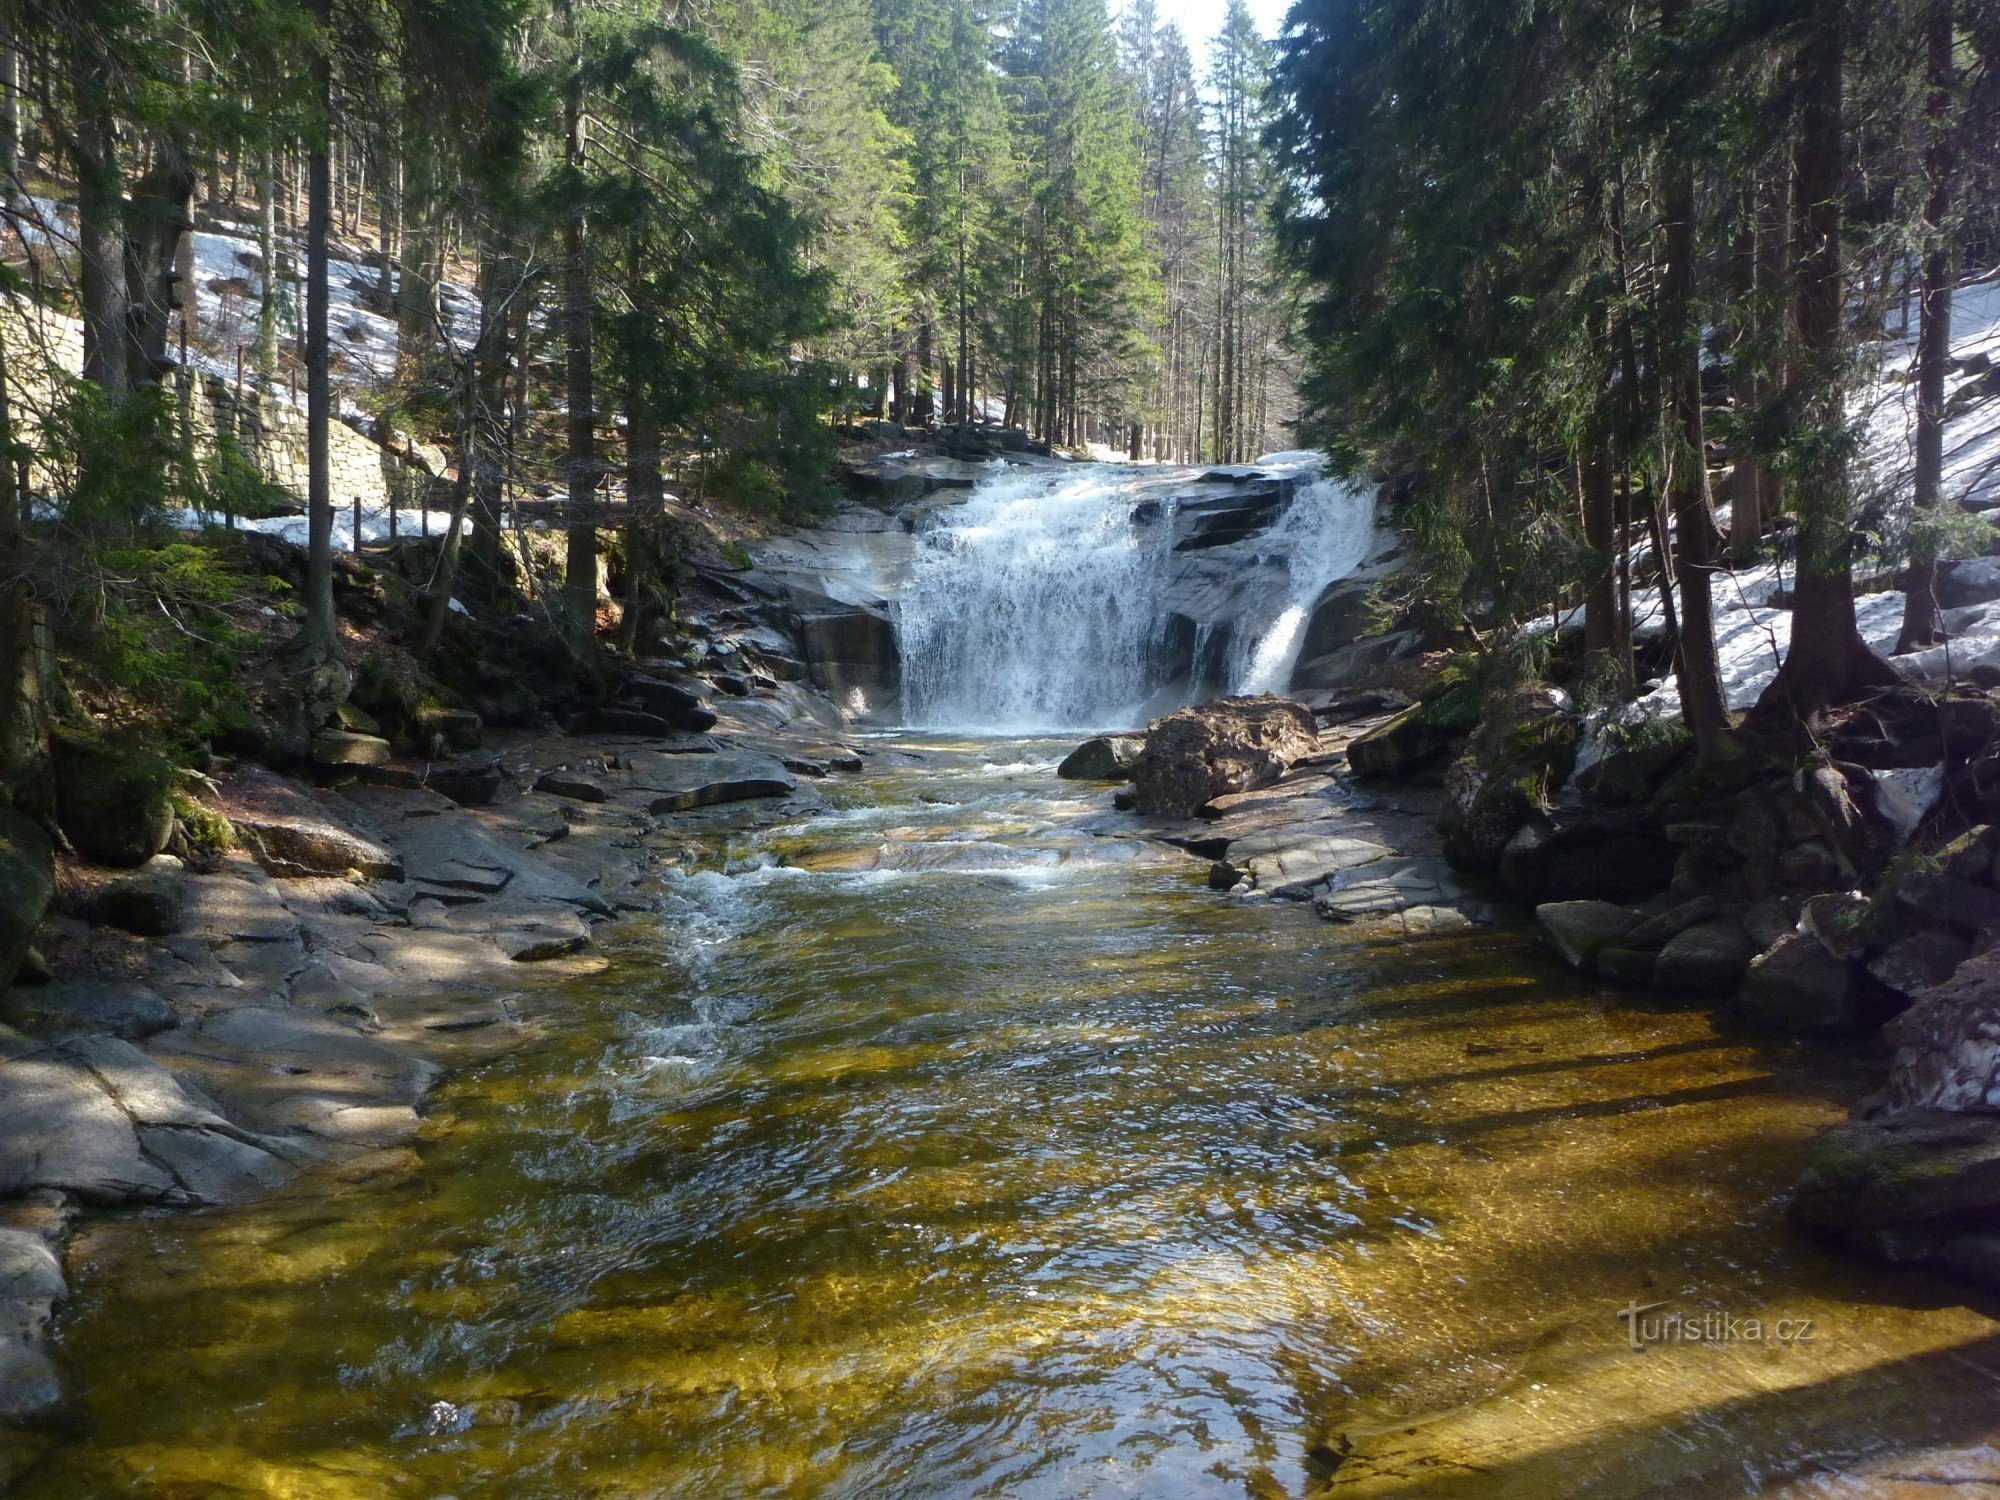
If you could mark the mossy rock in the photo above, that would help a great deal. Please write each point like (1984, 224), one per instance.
(1699, 789)
(27, 882)
(1475, 839)
(114, 797)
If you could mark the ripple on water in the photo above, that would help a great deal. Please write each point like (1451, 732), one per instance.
(1027, 1168)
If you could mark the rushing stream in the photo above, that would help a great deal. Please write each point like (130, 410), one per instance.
(932, 1146)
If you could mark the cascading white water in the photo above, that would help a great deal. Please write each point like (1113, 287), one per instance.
(1037, 604)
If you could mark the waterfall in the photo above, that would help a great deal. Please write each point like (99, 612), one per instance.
(1046, 601)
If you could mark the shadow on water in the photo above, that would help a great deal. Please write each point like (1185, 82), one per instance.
(1067, 1178)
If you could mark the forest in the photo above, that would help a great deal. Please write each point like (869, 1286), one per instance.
(983, 747)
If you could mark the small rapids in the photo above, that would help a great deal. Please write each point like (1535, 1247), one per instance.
(937, 1145)
(1037, 605)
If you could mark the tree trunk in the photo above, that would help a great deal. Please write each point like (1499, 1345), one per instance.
(645, 504)
(267, 254)
(1827, 662)
(580, 571)
(100, 212)
(10, 120)
(1699, 676)
(417, 305)
(1921, 626)
(157, 224)
(499, 280)
(316, 640)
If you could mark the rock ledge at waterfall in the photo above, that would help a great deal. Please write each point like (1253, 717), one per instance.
(1028, 592)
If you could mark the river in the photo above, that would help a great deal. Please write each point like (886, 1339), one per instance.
(933, 1146)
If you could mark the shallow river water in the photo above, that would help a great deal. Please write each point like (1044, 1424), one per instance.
(930, 1147)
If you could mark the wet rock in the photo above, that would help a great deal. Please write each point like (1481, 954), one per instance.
(1704, 961)
(1387, 887)
(798, 765)
(147, 903)
(1631, 967)
(1660, 928)
(31, 1389)
(680, 707)
(1105, 758)
(1797, 988)
(1125, 799)
(1581, 929)
(113, 799)
(630, 721)
(1224, 746)
(1291, 864)
(344, 747)
(86, 1007)
(1914, 966)
(1904, 1186)
(685, 783)
(566, 784)
(1587, 854)
(27, 882)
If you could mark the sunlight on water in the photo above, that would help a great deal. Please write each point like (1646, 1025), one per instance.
(996, 1160)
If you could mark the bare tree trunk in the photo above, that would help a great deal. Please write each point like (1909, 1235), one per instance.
(500, 276)
(1921, 626)
(157, 225)
(1700, 674)
(316, 642)
(10, 120)
(645, 504)
(100, 211)
(1827, 661)
(267, 253)
(580, 572)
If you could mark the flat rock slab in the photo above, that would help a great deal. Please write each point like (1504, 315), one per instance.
(240, 903)
(1291, 864)
(684, 785)
(296, 1071)
(86, 1007)
(1388, 887)
(291, 832)
(443, 846)
(98, 1118)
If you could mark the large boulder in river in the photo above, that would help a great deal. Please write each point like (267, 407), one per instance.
(1227, 745)
(1108, 757)
(27, 881)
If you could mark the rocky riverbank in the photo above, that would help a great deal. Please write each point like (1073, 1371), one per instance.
(202, 1031)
